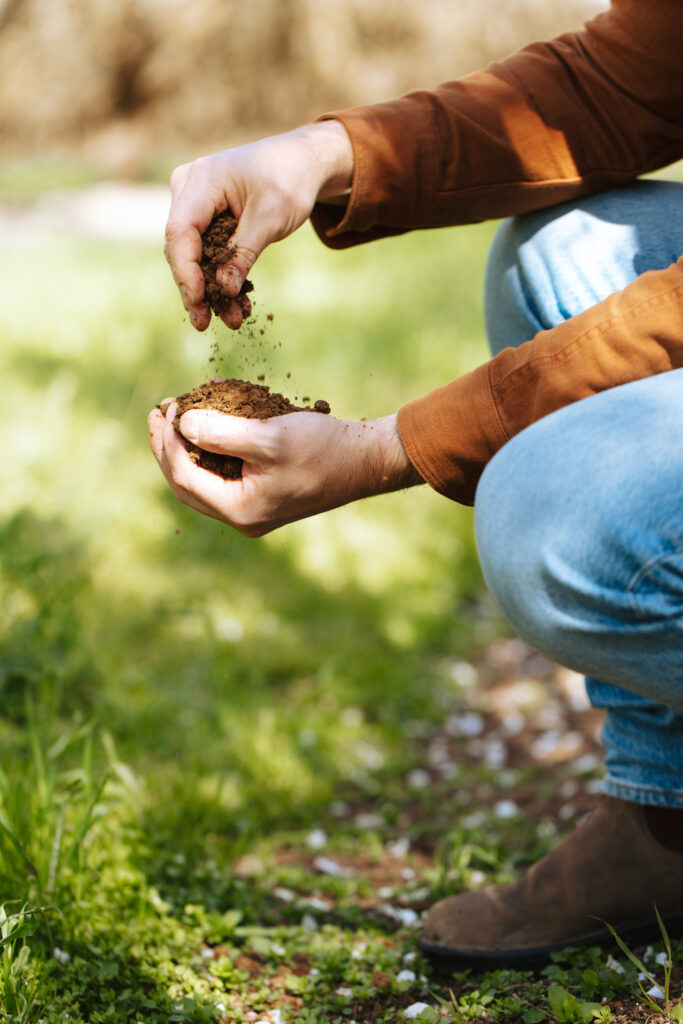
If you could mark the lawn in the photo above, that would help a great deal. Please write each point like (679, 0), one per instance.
(234, 773)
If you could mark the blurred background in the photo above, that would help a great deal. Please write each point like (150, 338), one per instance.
(129, 87)
(194, 697)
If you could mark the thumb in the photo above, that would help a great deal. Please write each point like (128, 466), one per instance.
(223, 434)
(251, 237)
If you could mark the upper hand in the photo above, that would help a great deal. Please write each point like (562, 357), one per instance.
(294, 466)
(271, 187)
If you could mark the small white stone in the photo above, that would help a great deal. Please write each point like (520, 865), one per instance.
(614, 965)
(314, 902)
(407, 874)
(277, 949)
(470, 724)
(409, 958)
(368, 820)
(404, 915)
(473, 820)
(505, 809)
(655, 992)
(60, 955)
(495, 754)
(662, 958)
(418, 779)
(314, 972)
(344, 990)
(286, 895)
(413, 1011)
(405, 975)
(399, 847)
(309, 923)
(316, 839)
(327, 866)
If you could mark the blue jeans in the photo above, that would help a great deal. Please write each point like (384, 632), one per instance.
(580, 516)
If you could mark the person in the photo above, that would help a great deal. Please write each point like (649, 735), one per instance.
(569, 441)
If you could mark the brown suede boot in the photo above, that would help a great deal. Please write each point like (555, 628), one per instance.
(610, 867)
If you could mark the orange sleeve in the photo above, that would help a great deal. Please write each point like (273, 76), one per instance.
(555, 121)
(451, 433)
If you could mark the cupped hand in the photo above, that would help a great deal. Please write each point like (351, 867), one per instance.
(271, 186)
(294, 466)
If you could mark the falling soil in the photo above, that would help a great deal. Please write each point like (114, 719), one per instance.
(217, 249)
(236, 398)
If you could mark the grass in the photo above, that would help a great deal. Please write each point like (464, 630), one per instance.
(189, 718)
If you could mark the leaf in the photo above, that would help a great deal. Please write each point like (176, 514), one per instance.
(665, 934)
(533, 1016)
(676, 1012)
(563, 1004)
(627, 952)
(587, 1011)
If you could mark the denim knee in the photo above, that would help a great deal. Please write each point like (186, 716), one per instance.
(547, 266)
(581, 539)
(518, 538)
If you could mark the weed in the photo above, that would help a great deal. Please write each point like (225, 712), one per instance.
(19, 988)
(669, 1010)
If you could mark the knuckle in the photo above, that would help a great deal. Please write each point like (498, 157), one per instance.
(173, 230)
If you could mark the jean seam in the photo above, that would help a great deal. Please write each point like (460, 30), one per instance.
(646, 569)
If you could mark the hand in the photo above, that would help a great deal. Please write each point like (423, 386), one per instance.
(294, 466)
(271, 187)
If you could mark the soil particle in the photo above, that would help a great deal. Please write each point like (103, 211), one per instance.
(236, 398)
(217, 250)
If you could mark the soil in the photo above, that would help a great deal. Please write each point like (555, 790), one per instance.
(217, 250)
(236, 398)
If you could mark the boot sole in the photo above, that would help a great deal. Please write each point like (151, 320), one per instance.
(633, 932)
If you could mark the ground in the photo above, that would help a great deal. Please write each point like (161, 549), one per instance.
(233, 774)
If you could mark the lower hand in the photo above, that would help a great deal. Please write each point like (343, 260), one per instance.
(294, 466)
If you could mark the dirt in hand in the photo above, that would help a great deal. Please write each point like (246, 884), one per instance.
(236, 398)
(217, 249)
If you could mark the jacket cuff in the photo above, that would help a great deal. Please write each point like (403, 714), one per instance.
(451, 434)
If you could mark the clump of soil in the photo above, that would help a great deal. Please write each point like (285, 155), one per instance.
(217, 250)
(237, 398)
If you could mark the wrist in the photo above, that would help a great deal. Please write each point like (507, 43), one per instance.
(330, 148)
(392, 470)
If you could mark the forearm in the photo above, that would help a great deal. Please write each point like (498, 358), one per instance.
(556, 121)
(452, 433)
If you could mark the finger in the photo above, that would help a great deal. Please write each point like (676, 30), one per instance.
(254, 231)
(175, 462)
(183, 250)
(155, 424)
(247, 439)
(233, 316)
(178, 179)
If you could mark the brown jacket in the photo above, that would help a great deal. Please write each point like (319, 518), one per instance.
(558, 120)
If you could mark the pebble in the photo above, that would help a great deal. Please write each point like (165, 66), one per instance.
(327, 866)
(406, 975)
(505, 809)
(413, 1011)
(404, 915)
(316, 839)
(418, 779)
(398, 847)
